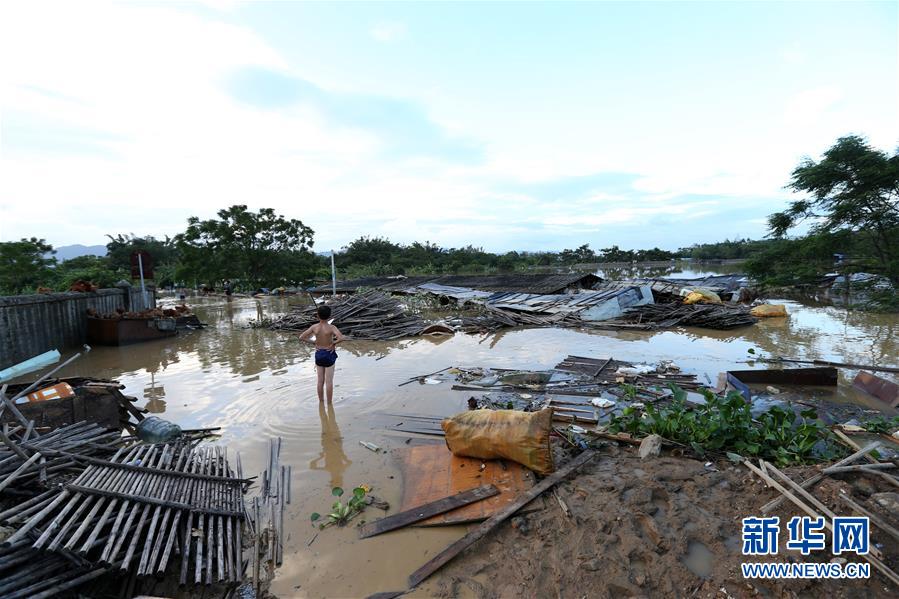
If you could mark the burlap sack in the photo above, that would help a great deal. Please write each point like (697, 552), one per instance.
(522, 437)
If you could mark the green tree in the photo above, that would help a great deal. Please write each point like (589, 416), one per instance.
(854, 188)
(95, 269)
(25, 264)
(615, 254)
(582, 254)
(163, 252)
(254, 248)
(370, 251)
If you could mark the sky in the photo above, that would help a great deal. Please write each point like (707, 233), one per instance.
(525, 126)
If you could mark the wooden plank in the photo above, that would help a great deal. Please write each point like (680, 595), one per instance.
(884, 526)
(427, 510)
(432, 472)
(439, 560)
(601, 368)
(807, 484)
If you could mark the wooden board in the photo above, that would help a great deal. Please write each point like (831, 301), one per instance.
(422, 512)
(431, 472)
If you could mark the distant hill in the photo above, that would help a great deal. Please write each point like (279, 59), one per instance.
(67, 252)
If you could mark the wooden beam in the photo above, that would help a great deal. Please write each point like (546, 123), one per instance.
(423, 512)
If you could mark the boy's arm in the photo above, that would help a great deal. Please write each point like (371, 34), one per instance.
(338, 336)
(305, 335)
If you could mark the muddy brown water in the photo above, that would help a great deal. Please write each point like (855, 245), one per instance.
(256, 383)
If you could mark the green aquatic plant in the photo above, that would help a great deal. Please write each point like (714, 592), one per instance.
(881, 425)
(725, 424)
(341, 513)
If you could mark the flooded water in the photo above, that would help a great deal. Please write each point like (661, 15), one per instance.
(256, 383)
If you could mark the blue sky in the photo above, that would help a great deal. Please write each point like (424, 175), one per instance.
(505, 125)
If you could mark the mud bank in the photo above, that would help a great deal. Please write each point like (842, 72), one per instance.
(662, 527)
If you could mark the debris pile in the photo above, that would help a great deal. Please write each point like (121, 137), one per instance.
(663, 316)
(579, 389)
(800, 494)
(57, 402)
(493, 319)
(88, 501)
(371, 315)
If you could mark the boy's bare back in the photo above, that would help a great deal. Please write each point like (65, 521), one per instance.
(325, 335)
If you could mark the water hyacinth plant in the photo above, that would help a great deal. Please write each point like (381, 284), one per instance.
(341, 513)
(725, 424)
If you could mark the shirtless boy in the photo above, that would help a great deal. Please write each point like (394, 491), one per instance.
(327, 336)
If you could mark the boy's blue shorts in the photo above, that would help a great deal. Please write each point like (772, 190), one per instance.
(325, 357)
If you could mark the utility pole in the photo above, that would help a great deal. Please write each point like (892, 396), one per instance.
(333, 276)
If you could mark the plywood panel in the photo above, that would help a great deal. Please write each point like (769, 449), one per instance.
(431, 472)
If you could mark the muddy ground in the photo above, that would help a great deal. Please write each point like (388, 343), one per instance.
(660, 527)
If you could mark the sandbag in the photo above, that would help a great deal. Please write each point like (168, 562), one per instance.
(522, 437)
(700, 295)
(766, 310)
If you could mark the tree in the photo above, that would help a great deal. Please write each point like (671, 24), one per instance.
(615, 254)
(256, 248)
(95, 269)
(163, 252)
(368, 251)
(25, 264)
(580, 255)
(854, 188)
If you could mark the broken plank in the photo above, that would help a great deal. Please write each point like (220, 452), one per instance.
(807, 484)
(439, 560)
(427, 510)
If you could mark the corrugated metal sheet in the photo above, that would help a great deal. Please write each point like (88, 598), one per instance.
(458, 293)
(591, 305)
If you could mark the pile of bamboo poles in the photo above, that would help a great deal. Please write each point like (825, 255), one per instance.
(132, 512)
(492, 319)
(367, 316)
(49, 455)
(268, 516)
(664, 316)
(143, 501)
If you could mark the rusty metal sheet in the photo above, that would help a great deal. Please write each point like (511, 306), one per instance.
(884, 390)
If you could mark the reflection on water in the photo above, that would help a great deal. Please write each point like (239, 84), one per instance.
(332, 457)
(256, 383)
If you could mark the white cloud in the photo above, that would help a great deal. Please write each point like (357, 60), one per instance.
(388, 31)
(144, 89)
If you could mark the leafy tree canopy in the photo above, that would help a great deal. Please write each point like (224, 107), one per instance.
(25, 265)
(854, 187)
(255, 248)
